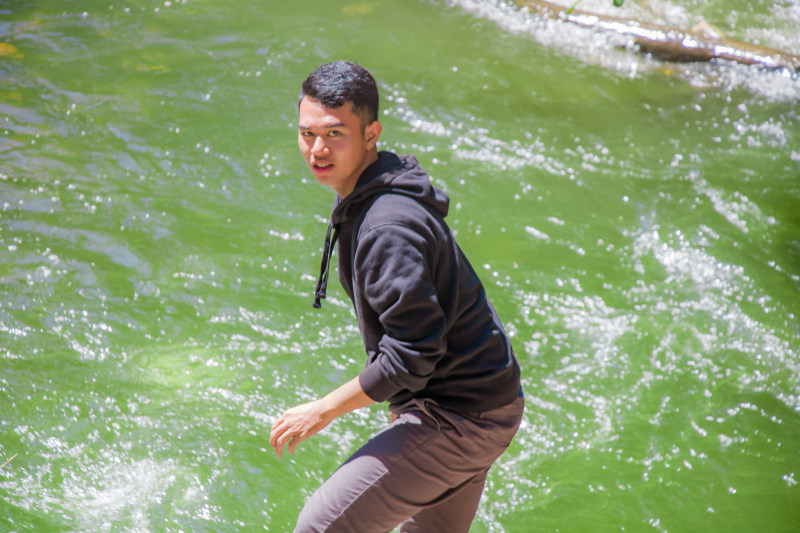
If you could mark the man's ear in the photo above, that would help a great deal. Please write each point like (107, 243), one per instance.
(371, 134)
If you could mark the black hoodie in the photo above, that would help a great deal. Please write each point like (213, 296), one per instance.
(428, 328)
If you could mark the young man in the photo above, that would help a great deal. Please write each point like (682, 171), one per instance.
(436, 350)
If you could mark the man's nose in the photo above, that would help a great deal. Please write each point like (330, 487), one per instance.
(318, 146)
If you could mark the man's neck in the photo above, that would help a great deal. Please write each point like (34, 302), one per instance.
(350, 185)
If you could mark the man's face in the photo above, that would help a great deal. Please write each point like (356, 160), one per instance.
(333, 144)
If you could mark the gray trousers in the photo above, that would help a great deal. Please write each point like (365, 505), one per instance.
(424, 472)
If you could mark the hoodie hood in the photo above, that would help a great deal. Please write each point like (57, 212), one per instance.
(389, 174)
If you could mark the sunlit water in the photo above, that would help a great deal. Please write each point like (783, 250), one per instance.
(636, 225)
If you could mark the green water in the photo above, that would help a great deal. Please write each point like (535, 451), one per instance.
(636, 226)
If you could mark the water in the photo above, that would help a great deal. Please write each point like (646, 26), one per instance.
(636, 225)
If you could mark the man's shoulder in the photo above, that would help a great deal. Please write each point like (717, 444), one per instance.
(390, 212)
(394, 208)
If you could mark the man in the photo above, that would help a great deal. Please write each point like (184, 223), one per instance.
(436, 350)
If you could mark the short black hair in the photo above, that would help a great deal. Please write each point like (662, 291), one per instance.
(334, 84)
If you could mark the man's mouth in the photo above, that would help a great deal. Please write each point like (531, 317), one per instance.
(322, 165)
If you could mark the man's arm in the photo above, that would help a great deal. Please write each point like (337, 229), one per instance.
(303, 421)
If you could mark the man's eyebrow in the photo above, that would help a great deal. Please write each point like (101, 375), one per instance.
(331, 125)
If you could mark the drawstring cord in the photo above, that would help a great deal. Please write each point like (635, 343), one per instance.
(325, 267)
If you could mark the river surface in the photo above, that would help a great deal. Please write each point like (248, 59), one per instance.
(637, 226)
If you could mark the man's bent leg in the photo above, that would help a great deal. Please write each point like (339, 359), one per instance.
(454, 514)
(395, 474)
(415, 463)
(456, 510)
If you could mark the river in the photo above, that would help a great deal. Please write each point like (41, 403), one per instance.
(636, 224)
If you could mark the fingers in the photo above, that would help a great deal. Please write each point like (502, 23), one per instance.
(281, 435)
(294, 426)
(275, 440)
(283, 440)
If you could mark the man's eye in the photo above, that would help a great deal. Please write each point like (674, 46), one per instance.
(334, 133)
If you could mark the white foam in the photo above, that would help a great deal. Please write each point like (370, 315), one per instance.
(735, 206)
(614, 51)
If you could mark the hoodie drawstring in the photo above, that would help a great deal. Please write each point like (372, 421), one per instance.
(324, 269)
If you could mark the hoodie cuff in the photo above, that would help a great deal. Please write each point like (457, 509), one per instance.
(375, 384)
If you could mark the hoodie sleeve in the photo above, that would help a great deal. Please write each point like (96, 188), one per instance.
(395, 272)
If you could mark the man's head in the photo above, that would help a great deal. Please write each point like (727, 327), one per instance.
(338, 126)
(334, 84)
